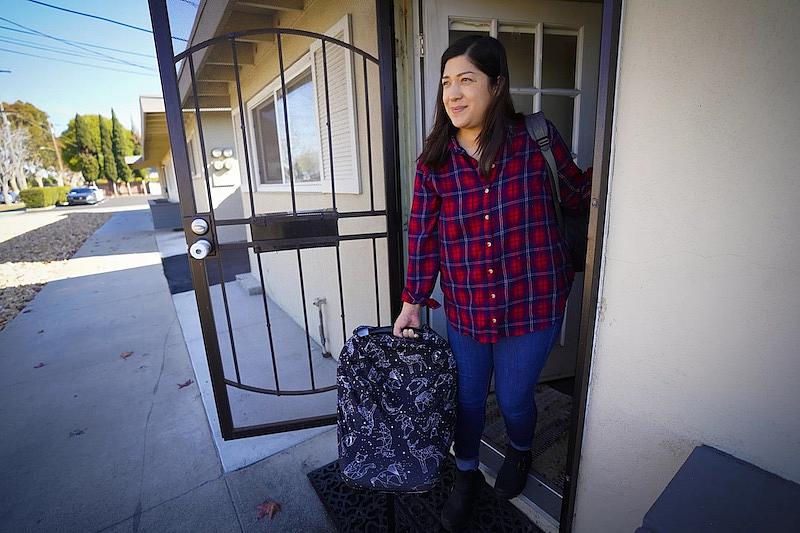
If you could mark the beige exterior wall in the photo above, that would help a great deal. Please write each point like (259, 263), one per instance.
(280, 269)
(170, 181)
(697, 334)
(226, 184)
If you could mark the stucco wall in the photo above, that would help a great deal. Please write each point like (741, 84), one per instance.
(225, 184)
(697, 336)
(170, 181)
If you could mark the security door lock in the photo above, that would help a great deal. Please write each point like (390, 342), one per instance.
(199, 226)
(200, 249)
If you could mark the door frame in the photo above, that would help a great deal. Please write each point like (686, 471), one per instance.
(542, 495)
(603, 143)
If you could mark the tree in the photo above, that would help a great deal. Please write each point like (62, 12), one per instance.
(14, 154)
(90, 167)
(87, 142)
(40, 136)
(121, 147)
(82, 134)
(107, 139)
(109, 170)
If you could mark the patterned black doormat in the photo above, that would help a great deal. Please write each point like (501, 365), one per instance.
(176, 269)
(359, 511)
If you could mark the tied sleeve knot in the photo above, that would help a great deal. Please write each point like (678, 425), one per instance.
(425, 301)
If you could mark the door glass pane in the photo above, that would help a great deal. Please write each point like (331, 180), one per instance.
(559, 53)
(520, 51)
(523, 103)
(462, 28)
(303, 130)
(269, 157)
(458, 34)
(559, 110)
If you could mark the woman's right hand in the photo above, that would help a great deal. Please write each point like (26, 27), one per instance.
(408, 318)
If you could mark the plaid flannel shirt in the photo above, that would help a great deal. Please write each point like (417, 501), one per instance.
(505, 268)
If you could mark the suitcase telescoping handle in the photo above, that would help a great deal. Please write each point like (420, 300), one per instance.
(363, 331)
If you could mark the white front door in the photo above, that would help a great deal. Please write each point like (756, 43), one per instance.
(553, 49)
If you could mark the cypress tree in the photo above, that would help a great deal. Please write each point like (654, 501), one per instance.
(88, 163)
(109, 163)
(119, 148)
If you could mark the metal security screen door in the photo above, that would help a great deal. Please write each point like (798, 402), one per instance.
(314, 216)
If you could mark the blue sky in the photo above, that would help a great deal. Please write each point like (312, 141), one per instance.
(63, 89)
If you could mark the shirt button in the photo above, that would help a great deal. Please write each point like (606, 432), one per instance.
(494, 321)
(489, 244)
(486, 217)
(486, 190)
(493, 296)
(491, 271)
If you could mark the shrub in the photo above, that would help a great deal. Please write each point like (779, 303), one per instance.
(41, 196)
(101, 181)
(62, 194)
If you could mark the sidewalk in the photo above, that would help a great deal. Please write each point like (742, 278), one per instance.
(94, 441)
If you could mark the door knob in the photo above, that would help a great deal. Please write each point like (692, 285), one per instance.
(200, 249)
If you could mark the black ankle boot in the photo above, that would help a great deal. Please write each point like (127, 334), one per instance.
(466, 489)
(513, 474)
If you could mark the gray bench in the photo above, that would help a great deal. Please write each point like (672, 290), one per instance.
(716, 492)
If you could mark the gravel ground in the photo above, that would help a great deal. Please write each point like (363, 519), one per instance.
(33, 257)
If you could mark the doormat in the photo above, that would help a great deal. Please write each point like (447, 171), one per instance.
(356, 511)
(176, 269)
(549, 450)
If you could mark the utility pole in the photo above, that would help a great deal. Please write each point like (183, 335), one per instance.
(5, 117)
(57, 149)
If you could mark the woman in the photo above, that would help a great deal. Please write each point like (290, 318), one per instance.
(483, 217)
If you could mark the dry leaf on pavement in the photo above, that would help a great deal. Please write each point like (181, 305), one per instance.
(267, 508)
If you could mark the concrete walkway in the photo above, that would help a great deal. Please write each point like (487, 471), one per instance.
(94, 441)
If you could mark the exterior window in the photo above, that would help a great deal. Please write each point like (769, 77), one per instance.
(309, 126)
(190, 152)
(269, 156)
(273, 148)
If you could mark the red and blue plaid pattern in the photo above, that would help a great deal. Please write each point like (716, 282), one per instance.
(505, 269)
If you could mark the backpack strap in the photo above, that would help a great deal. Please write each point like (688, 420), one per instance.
(537, 129)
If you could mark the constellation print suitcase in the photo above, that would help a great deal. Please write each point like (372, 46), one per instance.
(396, 409)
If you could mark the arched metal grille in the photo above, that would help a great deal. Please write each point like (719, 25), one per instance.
(236, 378)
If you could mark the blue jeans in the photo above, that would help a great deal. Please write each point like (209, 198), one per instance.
(517, 363)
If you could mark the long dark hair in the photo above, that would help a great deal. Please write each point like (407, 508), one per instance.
(489, 56)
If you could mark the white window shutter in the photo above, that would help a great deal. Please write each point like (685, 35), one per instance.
(341, 102)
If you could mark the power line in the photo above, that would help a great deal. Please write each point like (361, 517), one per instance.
(115, 59)
(76, 62)
(49, 49)
(98, 18)
(80, 42)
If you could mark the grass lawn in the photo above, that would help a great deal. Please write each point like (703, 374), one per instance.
(12, 207)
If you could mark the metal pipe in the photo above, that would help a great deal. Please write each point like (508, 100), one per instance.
(322, 340)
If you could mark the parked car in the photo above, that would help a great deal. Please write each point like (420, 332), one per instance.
(11, 197)
(85, 195)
